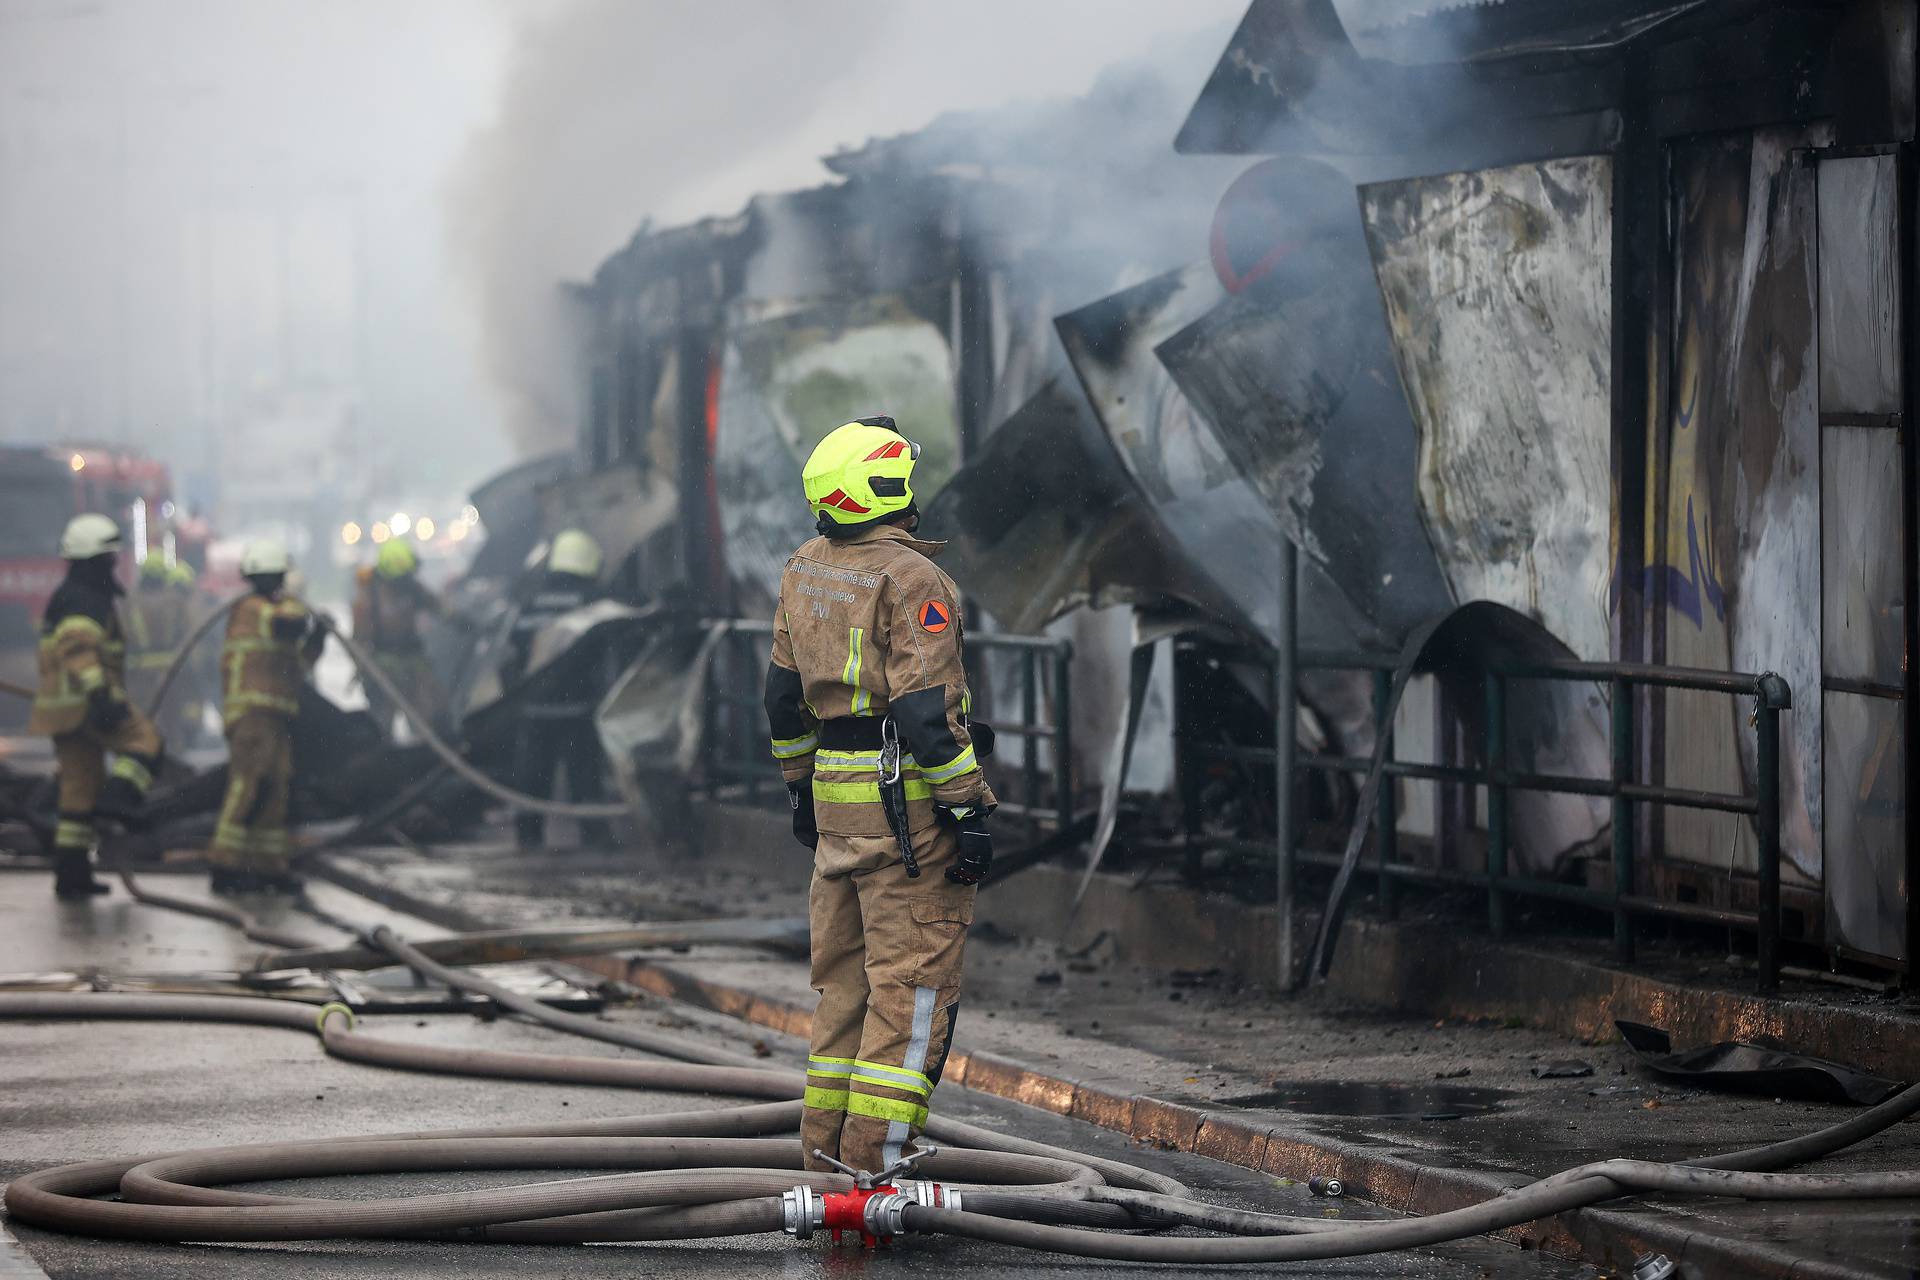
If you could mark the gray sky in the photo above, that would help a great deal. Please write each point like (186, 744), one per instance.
(221, 221)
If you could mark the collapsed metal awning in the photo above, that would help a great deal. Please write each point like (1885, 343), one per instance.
(1467, 85)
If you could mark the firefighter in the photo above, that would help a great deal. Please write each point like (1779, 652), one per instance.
(270, 638)
(389, 604)
(83, 706)
(867, 705)
(157, 624)
(557, 725)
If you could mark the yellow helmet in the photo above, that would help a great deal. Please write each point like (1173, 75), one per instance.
(181, 574)
(861, 474)
(395, 559)
(154, 567)
(575, 552)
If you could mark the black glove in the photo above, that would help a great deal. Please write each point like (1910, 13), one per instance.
(800, 796)
(105, 711)
(982, 734)
(969, 821)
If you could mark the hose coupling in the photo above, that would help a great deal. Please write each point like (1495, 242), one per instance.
(803, 1212)
(929, 1194)
(1654, 1266)
(1332, 1188)
(885, 1215)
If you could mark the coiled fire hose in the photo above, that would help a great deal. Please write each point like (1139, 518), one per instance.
(717, 1172)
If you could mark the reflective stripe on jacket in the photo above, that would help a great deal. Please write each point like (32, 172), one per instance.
(261, 670)
(82, 648)
(869, 626)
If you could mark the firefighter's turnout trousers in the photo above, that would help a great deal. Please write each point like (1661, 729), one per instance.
(262, 676)
(81, 758)
(867, 640)
(887, 960)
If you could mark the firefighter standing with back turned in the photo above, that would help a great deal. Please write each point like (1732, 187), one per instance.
(83, 705)
(263, 665)
(867, 705)
(389, 606)
(558, 726)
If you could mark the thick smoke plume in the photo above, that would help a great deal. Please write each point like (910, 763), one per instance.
(617, 112)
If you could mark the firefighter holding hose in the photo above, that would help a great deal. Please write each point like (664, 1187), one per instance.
(867, 706)
(271, 641)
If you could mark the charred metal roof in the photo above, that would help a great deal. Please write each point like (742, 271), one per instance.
(1554, 75)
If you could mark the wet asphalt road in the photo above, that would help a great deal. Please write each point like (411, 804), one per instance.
(91, 1090)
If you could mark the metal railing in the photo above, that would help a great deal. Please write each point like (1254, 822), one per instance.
(1771, 696)
(736, 729)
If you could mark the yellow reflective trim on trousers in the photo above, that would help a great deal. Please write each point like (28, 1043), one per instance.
(907, 1113)
(864, 792)
(830, 1066)
(69, 834)
(888, 1083)
(952, 768)
(231, 838)
(898, 1077)
(825, 1099)
(792, 748)
(133, 771)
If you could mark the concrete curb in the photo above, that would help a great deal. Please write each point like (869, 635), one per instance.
(1608, 1237)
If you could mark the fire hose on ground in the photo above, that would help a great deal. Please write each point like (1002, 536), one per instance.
(722, 1172)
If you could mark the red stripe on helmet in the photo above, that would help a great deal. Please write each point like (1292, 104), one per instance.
(838, 498)
(893, 450)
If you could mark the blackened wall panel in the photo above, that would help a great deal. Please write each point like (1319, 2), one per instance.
(1740, 568)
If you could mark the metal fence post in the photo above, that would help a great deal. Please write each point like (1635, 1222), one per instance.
(1622, 721)
(710, 748)
(1773, 696)
(1387, 808)
(1030, 743)
(1285, 716)
(1496, 757)
(1063, 731)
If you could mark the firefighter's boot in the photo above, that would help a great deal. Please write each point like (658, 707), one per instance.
(73, 876)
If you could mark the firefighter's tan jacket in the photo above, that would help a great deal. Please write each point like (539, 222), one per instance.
(388, 613)
(260, 663)
(79, 653)
(869, 626)
(157, 625)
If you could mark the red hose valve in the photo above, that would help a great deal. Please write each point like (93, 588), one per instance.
(876, 1213)
(847, 1211)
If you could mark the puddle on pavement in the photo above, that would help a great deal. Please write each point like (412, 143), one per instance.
(1379, 1101)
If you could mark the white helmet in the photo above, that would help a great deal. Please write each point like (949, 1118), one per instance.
(574, 552)
(264, 555)
(89, 535)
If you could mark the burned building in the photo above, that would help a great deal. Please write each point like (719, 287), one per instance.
(1593, 317)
